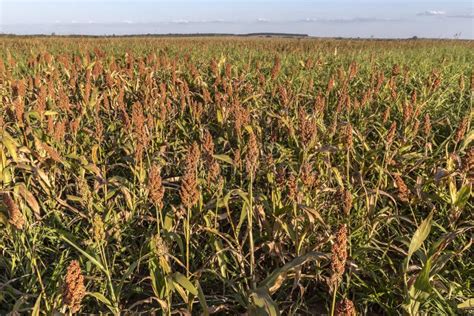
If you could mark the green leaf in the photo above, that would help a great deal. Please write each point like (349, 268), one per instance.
(274, 280)
(262, 304)
(422, 282)
(463, 196)
(420, 235)
(10, 144)
(224, 158)
(100, 297)
(184, 282)
(202, 300)
(85, 254)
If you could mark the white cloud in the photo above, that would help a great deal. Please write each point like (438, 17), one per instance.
(462, 16)
(180, 21)
(432, 13)
(347, 20)
(263, 20)
(213, 21)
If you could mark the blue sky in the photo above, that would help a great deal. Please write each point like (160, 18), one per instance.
(346, 18)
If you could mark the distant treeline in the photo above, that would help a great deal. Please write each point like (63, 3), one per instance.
(168, 35)
(268, 35)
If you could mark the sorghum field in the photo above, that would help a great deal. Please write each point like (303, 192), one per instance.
(236, 176)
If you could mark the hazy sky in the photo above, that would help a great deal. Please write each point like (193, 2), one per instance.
(347, 18)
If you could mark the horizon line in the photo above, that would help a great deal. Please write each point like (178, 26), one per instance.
(213, 34)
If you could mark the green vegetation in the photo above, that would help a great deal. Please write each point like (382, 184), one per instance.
(224, 176)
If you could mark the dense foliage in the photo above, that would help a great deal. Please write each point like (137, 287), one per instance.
(225, 175)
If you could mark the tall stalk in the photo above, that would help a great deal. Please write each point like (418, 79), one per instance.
(250, 232)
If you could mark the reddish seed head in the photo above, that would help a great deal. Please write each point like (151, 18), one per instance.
(253, 154)
(15, 216)
(155, 186)
(345, 307)
(189, 192)
(338, 257)
(391, 133)
(74, 289)
(403, 191)
(461, 131)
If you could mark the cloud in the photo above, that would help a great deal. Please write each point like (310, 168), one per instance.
(184, 21)
(432, 13)
(462, 16)
(346, 20)
(263, 20)
(180, 21)
(212, 21)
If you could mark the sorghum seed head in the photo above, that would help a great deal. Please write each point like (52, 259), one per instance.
(15, 216)
(189, 192)
(74, 289)
(403, 191)
(98, 228)
(159, 246)
(338, 257)
(292, 186)
(347, 196)
(461, 131)
(253, 153)
(156, 189)
(427, 125)
(391, 133)
(345, 307)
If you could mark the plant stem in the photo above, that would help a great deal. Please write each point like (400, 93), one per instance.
(333, 305)
(250, 231)
(187, 232)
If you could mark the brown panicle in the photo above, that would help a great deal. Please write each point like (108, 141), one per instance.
(253, 153)
(461, 131)
(338, 257)
(427, 125)
(345, 307)
(403, 191)
(391, 133)
(156, 189)
(347, 200)
(15, 216)
(307, 129)
(276, 67)
(208, 145)
(308, 176)
(74, 289)
(212, 165)
(292, 187)
(468, 165)
(386, 114)
(189, 192)
(237, 158)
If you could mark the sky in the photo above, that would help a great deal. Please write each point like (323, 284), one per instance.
(325, 18)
